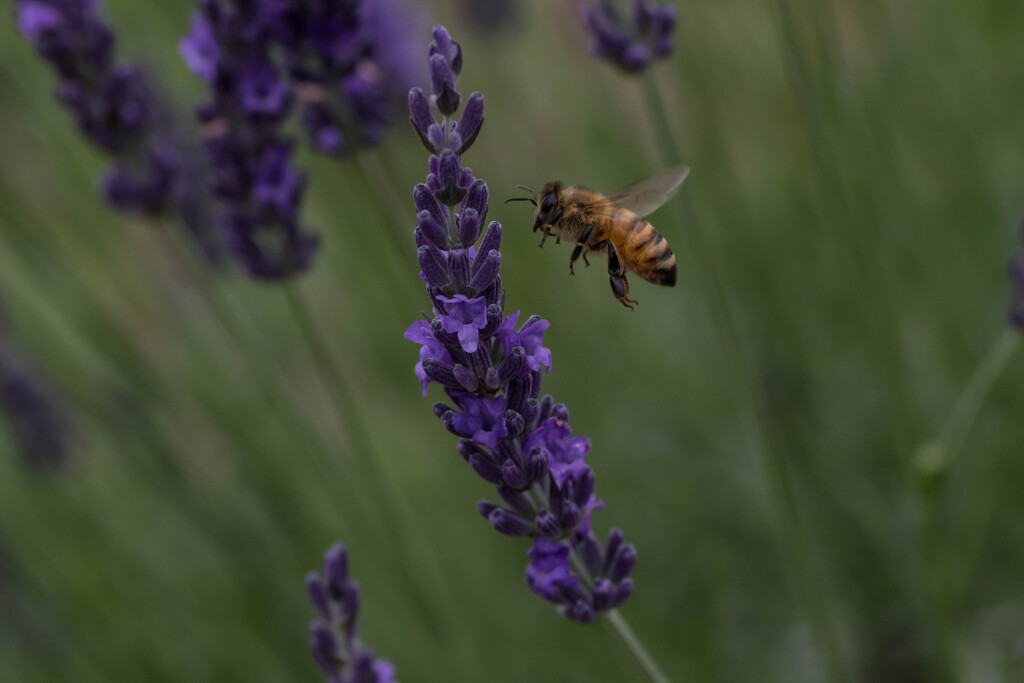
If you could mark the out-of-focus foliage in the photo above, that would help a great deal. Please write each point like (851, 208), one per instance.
(857, 174)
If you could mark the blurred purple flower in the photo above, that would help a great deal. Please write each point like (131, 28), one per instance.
(37, 421)
(631, 43)
(334, 637)
(115, 107)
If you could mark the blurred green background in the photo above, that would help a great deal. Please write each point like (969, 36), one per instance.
(857, 182)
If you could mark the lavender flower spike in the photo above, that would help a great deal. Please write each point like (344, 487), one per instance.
(490, 367)
(115, 108)
(333, 635)
(230, 46)
(1016, 312)
(631, 44)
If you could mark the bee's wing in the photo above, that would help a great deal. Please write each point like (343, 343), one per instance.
(645, 196)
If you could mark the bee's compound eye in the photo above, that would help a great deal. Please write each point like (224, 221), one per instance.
(548, 203)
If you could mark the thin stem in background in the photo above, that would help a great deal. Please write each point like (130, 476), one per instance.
(759, 427)
(942, 453)
(201, 277)
(420, 564)
(932, 462)
(618, 625)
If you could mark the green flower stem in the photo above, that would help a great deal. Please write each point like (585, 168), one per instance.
(758, 423)
(420, 564)
(932, 462)
(941, 454)
(200, 275)
(618, 625)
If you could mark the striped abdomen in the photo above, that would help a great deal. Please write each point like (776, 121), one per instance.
(642, 248)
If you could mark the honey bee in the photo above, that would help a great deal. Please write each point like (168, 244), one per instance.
(612, 223)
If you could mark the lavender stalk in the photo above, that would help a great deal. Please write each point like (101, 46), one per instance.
(490, 366)
(334, 636)
(115, 107)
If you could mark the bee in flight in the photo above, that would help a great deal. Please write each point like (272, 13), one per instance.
(612, 223)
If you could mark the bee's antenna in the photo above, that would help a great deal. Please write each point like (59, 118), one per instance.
(532, 198)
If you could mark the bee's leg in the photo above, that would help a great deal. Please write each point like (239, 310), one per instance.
(581, 243)
(548, 232)
(620, 286)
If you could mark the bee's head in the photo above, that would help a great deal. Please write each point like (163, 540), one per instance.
(548, 206)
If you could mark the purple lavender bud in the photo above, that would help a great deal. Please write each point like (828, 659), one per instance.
(492, 380)
(509, 523)
(560, 412)
(318, 595)
(443, 81)
(547, 524)
(580, 612)
(537, 465)
(494, 318)
(444, 46)
(615, 541)
(491, 242)
(514, 423)
(336, 570)
(486, 468)
(440, 409)
(466, 377)
(485, 508)
(488, 273)
(603, 594)
(421, 118)
(325, 648)
(511, 364)
(446, 180)
(471, 122)
(432, 229)
(571, 516)
(516, 500)
(622, 564)
(476, 199)
(622, 592)
(458, 261)
(513, 476)
(590, 552)
(425, 201)
(467, 448)
(441, 372)
(469, 226)
(433, 267)
(547, 404)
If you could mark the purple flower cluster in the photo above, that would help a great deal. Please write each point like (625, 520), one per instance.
(342, 63)
(350, 62)
(37, 421)
(490, 366)
(633, 43)
(1016, 312)
(229, 46)
(112, 103)
(333, 636)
